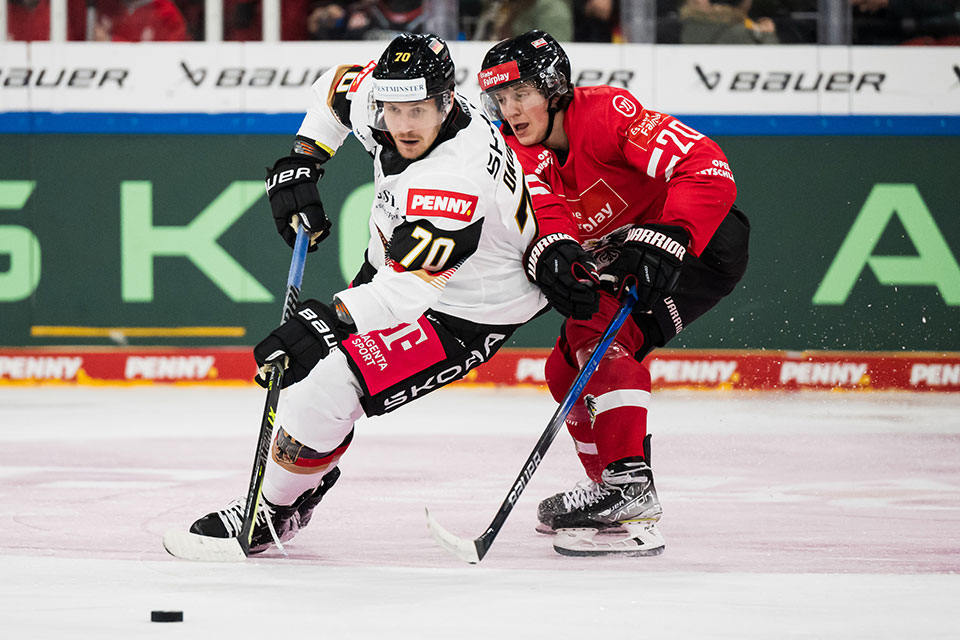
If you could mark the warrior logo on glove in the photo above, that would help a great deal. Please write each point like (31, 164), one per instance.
(651, 256)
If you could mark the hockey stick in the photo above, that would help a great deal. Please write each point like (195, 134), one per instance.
(473, 551)
(190, 546)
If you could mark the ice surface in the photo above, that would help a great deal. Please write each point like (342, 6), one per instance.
(801, 515)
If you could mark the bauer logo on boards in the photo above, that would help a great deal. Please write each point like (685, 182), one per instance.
(441, 204)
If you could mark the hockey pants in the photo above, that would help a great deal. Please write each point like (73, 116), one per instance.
(609, 420)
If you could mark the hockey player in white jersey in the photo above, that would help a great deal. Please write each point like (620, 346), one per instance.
(442, 287)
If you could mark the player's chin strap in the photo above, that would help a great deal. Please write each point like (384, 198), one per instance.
(552, 111)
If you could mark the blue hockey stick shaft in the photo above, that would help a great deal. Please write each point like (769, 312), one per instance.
(473, 550)
(274, 379)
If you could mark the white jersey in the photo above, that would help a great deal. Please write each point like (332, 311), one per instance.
(448, 231)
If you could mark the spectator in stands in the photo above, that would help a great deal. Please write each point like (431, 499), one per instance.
(723, 22)
(30, 20)
(596, 21)
(911, 22)
(336, 21)
(139, 21)
(243, 20)
(796, 20)
(387, 18)
(521, 16)
(470, 12)
(193, 14)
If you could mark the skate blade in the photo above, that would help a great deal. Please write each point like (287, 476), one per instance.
(640, 541)
(190, 546)
(549, 531)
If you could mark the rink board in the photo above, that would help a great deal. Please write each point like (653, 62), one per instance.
(669, 368)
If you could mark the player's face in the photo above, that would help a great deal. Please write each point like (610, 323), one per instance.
(413, 125)
(525, 110)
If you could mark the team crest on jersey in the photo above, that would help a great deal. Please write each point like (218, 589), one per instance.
(625, 106)
(441, 204)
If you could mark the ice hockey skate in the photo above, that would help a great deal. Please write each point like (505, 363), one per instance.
(273, 524)
(625, 498)
(566, 502)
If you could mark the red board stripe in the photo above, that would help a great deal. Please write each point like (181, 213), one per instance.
(669, 368)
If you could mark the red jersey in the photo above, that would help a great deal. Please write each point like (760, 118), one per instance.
(153, 20)
(33, 22)
(28, 23)
(626, 166)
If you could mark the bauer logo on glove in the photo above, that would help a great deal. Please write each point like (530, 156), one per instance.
(292, 188)
(303, 340)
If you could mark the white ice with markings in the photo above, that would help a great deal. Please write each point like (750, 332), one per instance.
(796, 515)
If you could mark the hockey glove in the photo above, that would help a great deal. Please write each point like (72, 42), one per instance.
(651, 256)
(566, 274)
(292, 189)
(302, 341)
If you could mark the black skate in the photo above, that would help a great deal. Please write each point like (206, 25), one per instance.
(273, 523)
(305, 510)
(566, 502)
(625, 497)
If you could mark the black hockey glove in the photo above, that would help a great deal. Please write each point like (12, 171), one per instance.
(302, 341)
(651, 256)
(292, 189)
(566, 274)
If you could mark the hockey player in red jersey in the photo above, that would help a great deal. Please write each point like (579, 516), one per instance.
(623, 194)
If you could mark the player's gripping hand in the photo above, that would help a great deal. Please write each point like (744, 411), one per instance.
(300, 342)
(292, 189)
(566, 274)
(651, 257)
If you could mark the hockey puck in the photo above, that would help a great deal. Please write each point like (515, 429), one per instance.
(166, 616)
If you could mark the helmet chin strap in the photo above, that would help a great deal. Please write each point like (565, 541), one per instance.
(553, 116)
(552, 111)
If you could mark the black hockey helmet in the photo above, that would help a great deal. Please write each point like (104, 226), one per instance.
(414, 66)
(534, 57)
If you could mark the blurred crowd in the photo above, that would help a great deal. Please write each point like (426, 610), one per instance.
(883, 22)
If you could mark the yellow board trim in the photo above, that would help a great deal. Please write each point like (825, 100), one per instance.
(43, 331)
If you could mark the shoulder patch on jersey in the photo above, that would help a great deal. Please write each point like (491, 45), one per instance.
(360, 76)
(642, 129)
(441, 204)
(625, 105)
(337, 97)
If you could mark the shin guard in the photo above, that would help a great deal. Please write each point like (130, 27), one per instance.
(294, 468)
(618, 396)
(560, 375)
